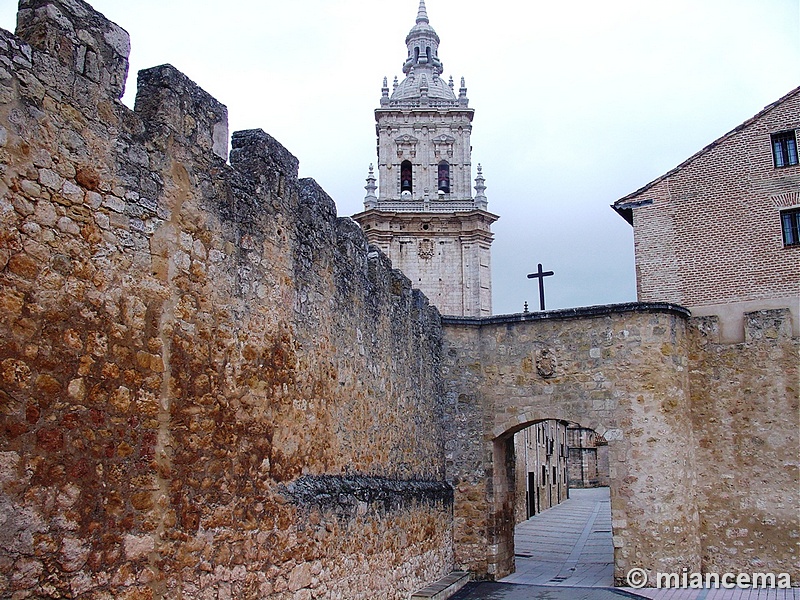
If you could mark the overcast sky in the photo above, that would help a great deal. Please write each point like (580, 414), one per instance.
(577, 103)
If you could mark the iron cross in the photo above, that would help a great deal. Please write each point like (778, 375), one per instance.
(540, 275)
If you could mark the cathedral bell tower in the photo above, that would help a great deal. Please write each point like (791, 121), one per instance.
(424, 216)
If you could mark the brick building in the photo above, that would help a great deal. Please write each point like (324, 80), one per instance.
(719, 233)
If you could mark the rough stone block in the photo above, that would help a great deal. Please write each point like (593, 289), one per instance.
(80, 38)
(166, 97)
(764, 325)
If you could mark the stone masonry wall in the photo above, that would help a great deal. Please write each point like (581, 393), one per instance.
(702, 435)
(745, 416)
(619, 370)
(210, 386)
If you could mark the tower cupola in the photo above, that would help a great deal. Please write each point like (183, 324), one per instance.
(423, 44)
(423, 69)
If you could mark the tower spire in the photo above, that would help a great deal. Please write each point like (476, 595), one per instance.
(422, 13)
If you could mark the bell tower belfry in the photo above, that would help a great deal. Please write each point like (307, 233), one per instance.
(424, 216)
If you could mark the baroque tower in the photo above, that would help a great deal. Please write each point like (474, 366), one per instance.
(424, 217)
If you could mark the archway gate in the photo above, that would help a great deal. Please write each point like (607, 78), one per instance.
(620, 370)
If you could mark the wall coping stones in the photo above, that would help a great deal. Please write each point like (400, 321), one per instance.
(600, 310)
(256, 153)
(166, 96)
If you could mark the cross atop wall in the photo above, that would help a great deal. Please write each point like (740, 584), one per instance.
(540, 275)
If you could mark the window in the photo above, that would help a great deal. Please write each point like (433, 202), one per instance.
(784, 149)
(790, 221)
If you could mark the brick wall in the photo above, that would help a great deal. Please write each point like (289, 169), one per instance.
(709, 231)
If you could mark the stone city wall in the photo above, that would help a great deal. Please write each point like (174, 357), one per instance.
(745, 416)
(702, 435)
(619, 370)
(210, 386)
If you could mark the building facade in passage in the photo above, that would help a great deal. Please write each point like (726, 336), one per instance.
(587, 458)
(541, 467)
(424, 216)
(719, 234)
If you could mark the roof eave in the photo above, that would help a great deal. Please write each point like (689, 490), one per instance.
(619, 204)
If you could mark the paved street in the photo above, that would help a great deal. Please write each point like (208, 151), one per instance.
(566, 553)
(511, 591)
(567, 545)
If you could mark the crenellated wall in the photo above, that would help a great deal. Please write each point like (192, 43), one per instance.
(211, 385)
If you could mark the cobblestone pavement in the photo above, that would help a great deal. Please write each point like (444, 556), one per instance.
(566, 553)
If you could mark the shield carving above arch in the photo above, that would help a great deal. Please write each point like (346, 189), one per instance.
(546, 363)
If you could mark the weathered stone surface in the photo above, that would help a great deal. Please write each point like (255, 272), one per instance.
(182, 338)
(352, 494)
(212, 386)
(702, 436)
(621, 371)
(745, 416)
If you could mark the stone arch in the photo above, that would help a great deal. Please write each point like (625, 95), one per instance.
(504, 486)
(619, 370)
(530, 417)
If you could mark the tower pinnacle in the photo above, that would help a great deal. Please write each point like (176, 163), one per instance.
(422, 14)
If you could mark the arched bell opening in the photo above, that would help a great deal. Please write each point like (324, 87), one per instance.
(443, 177)
(406, 177)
